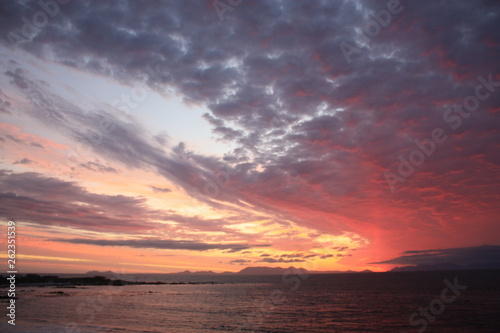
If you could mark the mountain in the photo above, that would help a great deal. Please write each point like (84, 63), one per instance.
(107, 274)
(259, 270)
(263, 270)
(194, 273)
(271, 270)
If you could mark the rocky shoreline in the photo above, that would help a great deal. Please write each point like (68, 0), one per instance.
(36, 280)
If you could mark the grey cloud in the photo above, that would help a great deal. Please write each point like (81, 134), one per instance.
(239, 262)
(43, 200)
(273, 260)
(124, 141)
(294, 255)
(160, 189)
(14, 139)
(36, 144)
(310, 256)
(50, 201)
(24, 161)
(480, 256)
(96, 166)
(159, 244)
(4, 103)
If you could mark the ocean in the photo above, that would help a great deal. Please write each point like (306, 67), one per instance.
(448, 301)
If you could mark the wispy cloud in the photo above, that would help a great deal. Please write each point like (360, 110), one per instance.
(160, 189)
(49, 201)
(160, 244)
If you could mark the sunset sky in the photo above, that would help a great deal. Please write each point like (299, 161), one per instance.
(160, 136)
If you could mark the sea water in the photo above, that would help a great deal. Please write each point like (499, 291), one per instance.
(364, 302)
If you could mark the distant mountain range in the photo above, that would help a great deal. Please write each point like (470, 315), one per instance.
(262, 270)
(446, 267)
(245, 271)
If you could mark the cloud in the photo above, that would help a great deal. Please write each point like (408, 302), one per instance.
(313, 134)
(96, 166)
(120, 139)
(8, 136)
(160, 244)
(46, 200)
(43, 200)
(36, 144)
(273, 260)
(486, 256)
(239, 262)
(296, 255)
(24, 161)
(4, 103)
(160, 189)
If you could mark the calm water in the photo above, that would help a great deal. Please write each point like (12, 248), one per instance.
(316, 303)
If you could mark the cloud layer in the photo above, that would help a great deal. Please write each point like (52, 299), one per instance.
(486, 256)
(315, 132)
(163, 244)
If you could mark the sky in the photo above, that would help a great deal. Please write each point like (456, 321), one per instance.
(162, 136)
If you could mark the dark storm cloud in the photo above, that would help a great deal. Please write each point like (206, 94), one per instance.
(486, 255)
(159, 244)
(312, 130)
